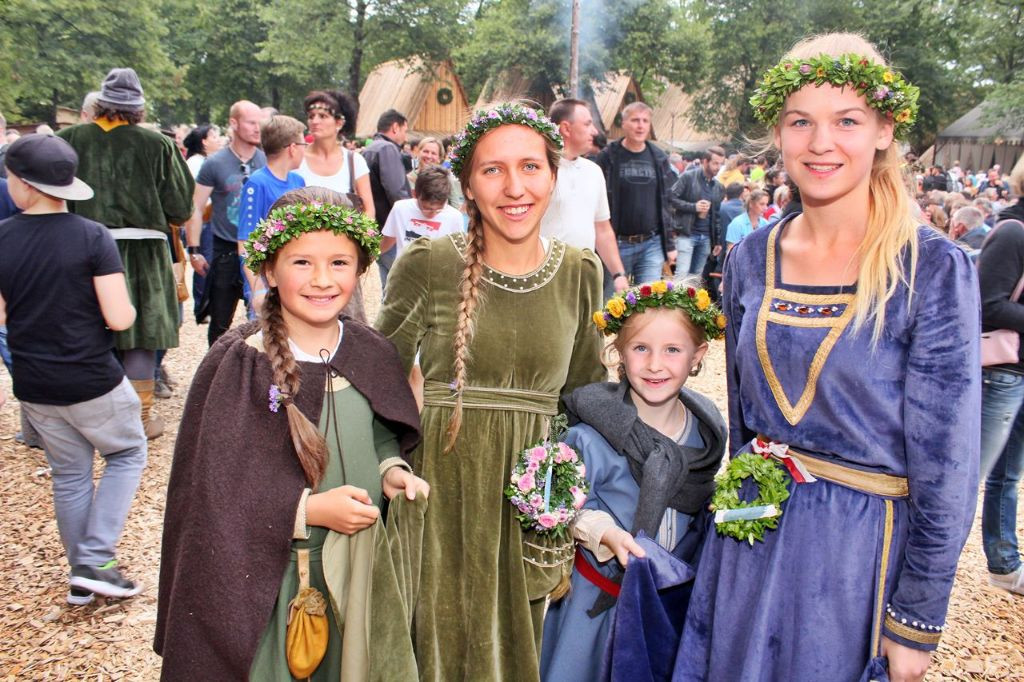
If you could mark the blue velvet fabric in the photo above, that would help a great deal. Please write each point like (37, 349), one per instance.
(574, 643)
(801, 605)
(649, 617)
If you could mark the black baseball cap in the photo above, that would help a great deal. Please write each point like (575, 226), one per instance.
(48, 163)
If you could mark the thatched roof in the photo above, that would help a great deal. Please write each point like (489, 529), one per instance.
(970, 127)
(512, 85)
(611, 94)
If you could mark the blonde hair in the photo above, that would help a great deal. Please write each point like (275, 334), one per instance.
(891, 230)
(614, 351)
(470, 286)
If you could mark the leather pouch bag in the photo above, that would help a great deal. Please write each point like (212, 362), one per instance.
(178, 266)
(307, 633)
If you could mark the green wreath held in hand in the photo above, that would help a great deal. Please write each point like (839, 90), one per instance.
(772, 480)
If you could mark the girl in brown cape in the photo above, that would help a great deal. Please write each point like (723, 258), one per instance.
(263, 469)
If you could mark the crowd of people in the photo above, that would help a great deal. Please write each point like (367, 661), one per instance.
(336, 504)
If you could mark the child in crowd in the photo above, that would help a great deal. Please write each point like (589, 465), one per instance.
(428, 215)
(651, 449)
(854, 401)
(294, 429)
(62, 286)
(283, 143)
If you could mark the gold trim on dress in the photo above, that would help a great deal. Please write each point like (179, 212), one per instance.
(914, 635)
(794, 413)
(885, 485)
(883, 570)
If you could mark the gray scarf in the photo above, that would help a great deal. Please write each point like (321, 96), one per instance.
(669, 474)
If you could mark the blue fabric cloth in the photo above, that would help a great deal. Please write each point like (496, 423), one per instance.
(649, 616)
(740, 227)
(730, 208)
(1002, 461)
(7, 207)
(573, 641)
(259, 193)
(801, 604)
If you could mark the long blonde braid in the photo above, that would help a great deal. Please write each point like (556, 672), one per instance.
(469, 290)
(310, 446)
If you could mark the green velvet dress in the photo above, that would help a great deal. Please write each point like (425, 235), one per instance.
(351, 461)
(482, 597)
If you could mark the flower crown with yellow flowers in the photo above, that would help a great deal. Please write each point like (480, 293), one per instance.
(288, 222)
(503, 114)
(696, 303)
(886, 90)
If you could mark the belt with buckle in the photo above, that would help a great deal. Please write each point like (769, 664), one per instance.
(635, 238)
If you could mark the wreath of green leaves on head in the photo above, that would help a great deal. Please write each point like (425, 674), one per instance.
(885, 90)
(696, 303)
(503, 114)
(288, 222)
(771, 478)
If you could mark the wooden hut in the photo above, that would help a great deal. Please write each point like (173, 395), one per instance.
(429, 95)
(670, 121)
(611, 95)
(977, 145)
(512, 85)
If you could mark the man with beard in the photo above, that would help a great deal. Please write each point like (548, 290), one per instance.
(220, 180)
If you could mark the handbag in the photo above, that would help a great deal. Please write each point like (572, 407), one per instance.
(352, 195)
(307, 633)
(1002, 346)
(178, 266)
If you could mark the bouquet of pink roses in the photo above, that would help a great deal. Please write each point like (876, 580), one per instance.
(548, 487)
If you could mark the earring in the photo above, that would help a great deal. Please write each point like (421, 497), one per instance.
(694, 371)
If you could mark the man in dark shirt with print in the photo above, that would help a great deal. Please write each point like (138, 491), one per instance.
(638, 177)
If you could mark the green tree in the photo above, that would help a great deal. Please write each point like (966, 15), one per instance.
(56, 51)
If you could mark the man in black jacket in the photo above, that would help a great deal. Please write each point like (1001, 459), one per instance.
(388, 180)
(696, 198)
(638, 177)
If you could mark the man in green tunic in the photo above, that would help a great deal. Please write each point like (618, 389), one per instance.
(142, 187)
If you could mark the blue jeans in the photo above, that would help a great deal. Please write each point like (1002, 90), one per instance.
(1002, 459)
(699, 250)
(5, 353)
(642, 262)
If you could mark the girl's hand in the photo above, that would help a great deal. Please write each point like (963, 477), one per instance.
(397, 479)
(622, 544)
(347, 510)
(905, 664)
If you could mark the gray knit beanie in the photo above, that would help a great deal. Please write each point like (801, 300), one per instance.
(122, 90)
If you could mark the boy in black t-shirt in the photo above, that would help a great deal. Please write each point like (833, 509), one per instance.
(62, 291)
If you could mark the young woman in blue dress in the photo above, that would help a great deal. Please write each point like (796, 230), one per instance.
(853, 368)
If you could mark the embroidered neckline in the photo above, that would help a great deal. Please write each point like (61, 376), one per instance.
(519, 284)
(797, 309)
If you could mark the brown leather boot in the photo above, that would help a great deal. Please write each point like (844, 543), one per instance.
(152, 424)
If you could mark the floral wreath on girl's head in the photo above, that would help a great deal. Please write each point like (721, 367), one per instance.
(885, 90)
(696, 303)
(503, 114)
(288, 222)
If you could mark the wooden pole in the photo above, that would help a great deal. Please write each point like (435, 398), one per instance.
(574, 52)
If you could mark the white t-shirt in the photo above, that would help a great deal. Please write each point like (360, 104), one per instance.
(339, 182)
(579, 200)
(406, 223)
(194, 163)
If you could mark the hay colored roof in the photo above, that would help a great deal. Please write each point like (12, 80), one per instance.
(429, 95)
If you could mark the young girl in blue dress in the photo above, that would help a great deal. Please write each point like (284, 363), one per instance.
(651, 448)
(853, 366)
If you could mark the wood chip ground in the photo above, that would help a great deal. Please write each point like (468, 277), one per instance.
(43, 638)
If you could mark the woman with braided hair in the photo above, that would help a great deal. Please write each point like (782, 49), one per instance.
(502, 321)
(295, 428)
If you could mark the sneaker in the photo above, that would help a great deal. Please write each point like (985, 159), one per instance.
(168, 379)
(1012, 582)
(106, 580)
(80, 597)
(162, 390)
